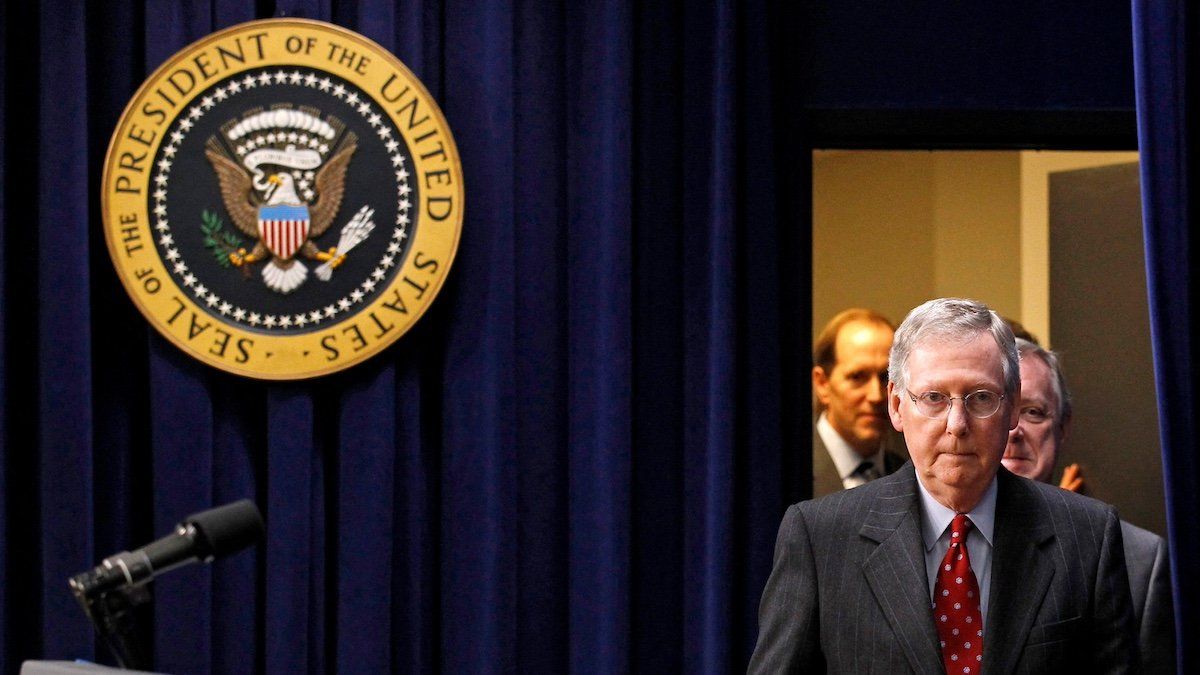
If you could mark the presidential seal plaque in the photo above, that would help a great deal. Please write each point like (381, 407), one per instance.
(282, 199)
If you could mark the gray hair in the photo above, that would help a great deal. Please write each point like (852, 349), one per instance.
(953, 319)
(1050, 358)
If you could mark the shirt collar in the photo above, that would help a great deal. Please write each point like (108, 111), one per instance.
(845, 458)
(935, 518)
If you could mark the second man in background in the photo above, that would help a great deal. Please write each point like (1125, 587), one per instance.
(853, 439)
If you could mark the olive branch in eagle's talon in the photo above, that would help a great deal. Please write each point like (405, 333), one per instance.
(225, 245)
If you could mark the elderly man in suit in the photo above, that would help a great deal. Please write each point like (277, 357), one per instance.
(951, 564)
(1032, 451)
(849, 377)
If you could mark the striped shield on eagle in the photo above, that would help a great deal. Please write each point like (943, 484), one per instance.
(283, 228)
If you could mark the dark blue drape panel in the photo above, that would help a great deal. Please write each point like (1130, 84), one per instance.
(366, 492)
(1166, 48)
(480, 459)
(576, 461)
(414, 637)
(773, 339)
(4, 407)
(539, 140)
(598, 163)
(237, 435)
(64, 382)
(295, 553)
(710, 304)
(181, 413)
(657, 504)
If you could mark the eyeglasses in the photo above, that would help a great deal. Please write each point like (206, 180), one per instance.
(936, 405)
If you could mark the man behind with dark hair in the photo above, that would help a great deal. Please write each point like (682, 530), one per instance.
(849, 375)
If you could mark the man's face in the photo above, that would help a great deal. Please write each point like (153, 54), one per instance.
(958, 453)
(1033, 445)
(854, 392)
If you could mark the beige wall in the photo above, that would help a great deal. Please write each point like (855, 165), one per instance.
(866, 207)
(978, 228)
(893, 229)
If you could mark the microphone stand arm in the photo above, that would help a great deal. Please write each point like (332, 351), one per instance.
(114, 614)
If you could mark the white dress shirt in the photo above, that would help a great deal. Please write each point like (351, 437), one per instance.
(935, 531)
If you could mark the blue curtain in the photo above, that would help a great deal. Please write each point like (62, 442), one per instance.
(576, 461)
(1166, 47)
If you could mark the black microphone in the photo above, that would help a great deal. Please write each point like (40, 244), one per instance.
(200, 537)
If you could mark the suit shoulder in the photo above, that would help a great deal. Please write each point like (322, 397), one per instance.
(846, 507)
(1140, 540)
(1131, 531)
(1058, 498)
(1061, 508)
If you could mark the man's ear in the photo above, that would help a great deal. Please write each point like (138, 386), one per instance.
(821, 387)
(1064, 430)
(894, 407)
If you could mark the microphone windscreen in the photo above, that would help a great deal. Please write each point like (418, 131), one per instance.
(229, 528)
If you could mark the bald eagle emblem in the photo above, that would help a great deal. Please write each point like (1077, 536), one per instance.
(282, 175)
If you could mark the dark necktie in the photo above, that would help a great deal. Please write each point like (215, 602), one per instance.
(956, 610)
(867, 470)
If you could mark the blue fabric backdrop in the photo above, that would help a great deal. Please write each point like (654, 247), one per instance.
(1166, 48)
(576, 461)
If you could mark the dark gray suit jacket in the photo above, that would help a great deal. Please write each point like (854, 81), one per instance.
(849, 591)
(1153, 608)
(827, 479)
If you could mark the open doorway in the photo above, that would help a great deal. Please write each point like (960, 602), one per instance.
(1051, 239)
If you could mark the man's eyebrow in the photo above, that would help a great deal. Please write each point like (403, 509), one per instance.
(972, 387)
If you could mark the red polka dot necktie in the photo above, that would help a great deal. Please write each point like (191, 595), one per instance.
(956, 605)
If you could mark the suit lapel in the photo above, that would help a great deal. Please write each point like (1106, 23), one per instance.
(895, 571)
(826, 479)
(1021, 572)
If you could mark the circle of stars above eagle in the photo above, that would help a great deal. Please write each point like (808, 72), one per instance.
(290, 211)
